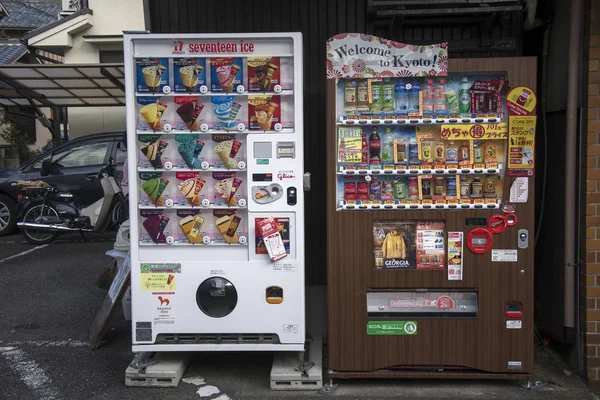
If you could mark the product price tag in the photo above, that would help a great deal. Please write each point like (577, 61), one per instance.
(401, 167)
(413, 167)
(426, 201)
(478, 201)
(491, 165)
(440, 202)
(388, 167)
(465, 201)
(350, 202)
(389, 202)
(453, 201)
(478, 166)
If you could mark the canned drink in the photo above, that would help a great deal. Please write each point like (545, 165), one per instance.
(350, 191)
(413, 153)
(451, 186)
(478, 155)
(426, 188)
(362, 191)
(375, 190)
(413, 187)
(438, 189)
(399, 190)
(426, 155)
(465, 188)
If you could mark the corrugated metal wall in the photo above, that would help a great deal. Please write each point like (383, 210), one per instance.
(318, 20)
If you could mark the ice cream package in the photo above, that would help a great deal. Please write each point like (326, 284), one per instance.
(153, 149)
(153, 188)
(189, 151)
(151, 74)
(227, 149)
(283, 226)
(227, 223)
(264, 112)
(191, 225)
(188, 110)
(156, 226)
(189, 185)
(226, 74)
(152, 115)
(227, 188)
(263, 73)
(189, 74)
(226, 110)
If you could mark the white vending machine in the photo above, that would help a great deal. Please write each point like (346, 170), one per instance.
(215, 163)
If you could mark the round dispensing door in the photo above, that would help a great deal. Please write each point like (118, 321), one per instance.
(216, 297)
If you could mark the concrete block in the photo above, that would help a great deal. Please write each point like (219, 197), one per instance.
(166, 372)
(284, 375)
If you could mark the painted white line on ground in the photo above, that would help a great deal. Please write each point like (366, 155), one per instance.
(56, 343)
(23, 253)
(29, 372)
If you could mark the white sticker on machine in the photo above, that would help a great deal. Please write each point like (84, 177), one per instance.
(514, 324)
(500, 255)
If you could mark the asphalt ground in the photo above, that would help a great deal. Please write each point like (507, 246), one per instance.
(49, 299)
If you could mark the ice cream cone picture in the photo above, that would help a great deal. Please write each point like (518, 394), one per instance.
(264, 113)
(188, 188)
(152, 114)
(189, 76)
(190, 151)
(232, 73)
(154, 188)
(223, 72)
(153, 152)
(153, 75)
(189, 114)
(227, 151)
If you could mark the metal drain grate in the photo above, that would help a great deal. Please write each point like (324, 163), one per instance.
(200, 338)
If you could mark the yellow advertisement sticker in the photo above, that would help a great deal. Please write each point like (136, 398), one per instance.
(521, 101)
(157, 282)
(521, 145)
(474, 131)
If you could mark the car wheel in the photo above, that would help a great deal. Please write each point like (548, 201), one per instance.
(7, 215)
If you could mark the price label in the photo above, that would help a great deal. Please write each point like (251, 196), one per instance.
(388, 167)
(401, 167)
(453, 201)
(413, 202)
(413, 167)
(350, 202)
(389, 202)
(465, 201)
(479, 166)
(478, 201)
(491, 201)
(491, 165)
(440, 202)
(350, 168)
(451, 166)
(363, 167)
(427, 201)
(426, 166)
(404, 202)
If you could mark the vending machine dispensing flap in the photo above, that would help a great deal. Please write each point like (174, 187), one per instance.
(479, 240)
(513, 309)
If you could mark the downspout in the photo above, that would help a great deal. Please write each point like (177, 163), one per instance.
(571, 163)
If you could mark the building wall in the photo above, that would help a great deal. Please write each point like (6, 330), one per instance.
(111, 17)
(591, 196)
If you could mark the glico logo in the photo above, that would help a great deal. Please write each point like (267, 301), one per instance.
(285, 175)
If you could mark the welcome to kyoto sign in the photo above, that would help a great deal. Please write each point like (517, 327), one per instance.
(357, 55)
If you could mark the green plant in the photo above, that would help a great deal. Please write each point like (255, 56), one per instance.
(13, 136)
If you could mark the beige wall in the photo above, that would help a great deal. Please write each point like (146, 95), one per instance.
(111, 17)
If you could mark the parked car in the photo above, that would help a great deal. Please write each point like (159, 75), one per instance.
(80, 160)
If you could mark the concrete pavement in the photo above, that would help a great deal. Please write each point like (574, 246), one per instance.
(49, 300)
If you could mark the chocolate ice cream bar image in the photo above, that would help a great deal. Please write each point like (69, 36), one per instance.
(189, 114)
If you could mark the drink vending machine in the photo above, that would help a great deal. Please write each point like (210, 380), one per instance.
(215, 156)
(430, 211)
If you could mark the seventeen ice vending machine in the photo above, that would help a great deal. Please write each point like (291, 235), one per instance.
(215, 155)
(430, 212)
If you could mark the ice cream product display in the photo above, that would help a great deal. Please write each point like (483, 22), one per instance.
(151, 113)
(156, 226)
(153, 149)
(191, 224)
(226, 186)
(188, 109)
(226, 74)
(226, 110)
(154, 184)
(227, 224)
(189, 74)
(190, 185)
(263, 73)
(226, 147)
(152, 74)
(264, 112)
(189, 149)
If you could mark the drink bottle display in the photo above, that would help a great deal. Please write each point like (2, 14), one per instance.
(464, 96)
(413, 98)
(374, 147)
(362, 96)
(376, 97)
(350, 99)
(451, 99)
(387, 148)
(401, 98)
(413, 152)
(451, 153)
(428, 98)
(463, 152)
(365, 149)
(388, 96)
